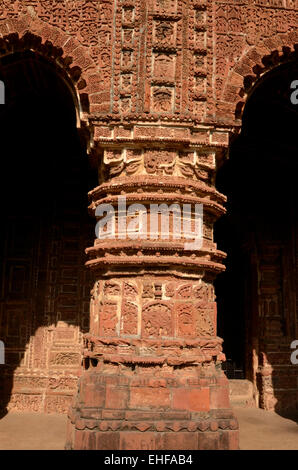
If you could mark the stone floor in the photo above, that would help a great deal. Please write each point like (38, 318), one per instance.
(265, 430)
(259, 430)
(32, 431)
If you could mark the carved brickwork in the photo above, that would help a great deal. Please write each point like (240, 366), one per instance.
(158, 57)
(159, 87)
(44, 304)
(198, 65)
(244, 29)
(153, 309)
(196, 164)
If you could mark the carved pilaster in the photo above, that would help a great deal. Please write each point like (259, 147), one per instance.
(152, 357)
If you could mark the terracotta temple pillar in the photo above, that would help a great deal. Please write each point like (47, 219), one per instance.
(152, 358)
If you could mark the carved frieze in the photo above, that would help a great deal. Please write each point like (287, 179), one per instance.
(189, 164)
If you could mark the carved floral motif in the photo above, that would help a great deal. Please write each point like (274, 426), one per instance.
(157, 320)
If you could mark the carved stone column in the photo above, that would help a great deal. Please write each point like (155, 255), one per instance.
(152, 359)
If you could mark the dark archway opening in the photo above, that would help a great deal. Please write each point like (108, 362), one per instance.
(257, 294)
(45, 228)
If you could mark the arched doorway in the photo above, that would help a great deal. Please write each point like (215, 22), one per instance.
(257, 296)
(45, 290)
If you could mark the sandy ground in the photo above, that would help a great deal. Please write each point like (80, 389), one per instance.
(259, 430)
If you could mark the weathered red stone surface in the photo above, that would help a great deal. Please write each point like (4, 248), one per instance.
(160, 87)
(152, 356)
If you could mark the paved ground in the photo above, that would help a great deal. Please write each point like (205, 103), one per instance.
(259, 430)
(264, 430)
(32, 431)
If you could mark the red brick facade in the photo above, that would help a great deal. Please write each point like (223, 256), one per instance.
(159, 87)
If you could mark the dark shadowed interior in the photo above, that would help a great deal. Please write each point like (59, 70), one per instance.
(256, 295)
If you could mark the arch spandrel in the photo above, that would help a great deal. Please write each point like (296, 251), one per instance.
(252, 68)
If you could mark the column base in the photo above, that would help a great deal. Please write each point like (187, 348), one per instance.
(113, 412)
